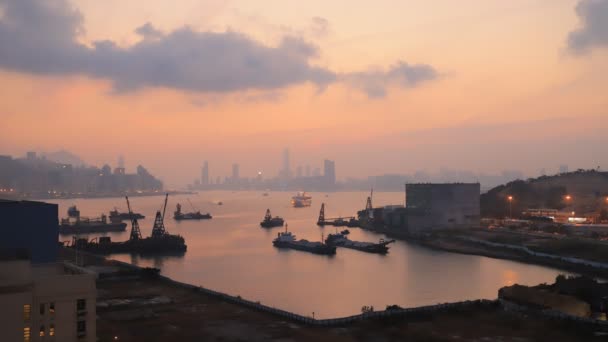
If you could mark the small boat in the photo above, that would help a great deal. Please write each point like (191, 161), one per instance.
(178, 215)
(345, 232)
(265, 194)
(288, 240)
(220, 203)
(270, 221)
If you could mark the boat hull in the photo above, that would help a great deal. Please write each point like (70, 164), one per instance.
(306, 247)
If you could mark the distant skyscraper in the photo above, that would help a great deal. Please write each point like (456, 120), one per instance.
(299, 171)
(307, 172)
(218, 180)
(205, 174)
(286, 172)
(329, 172)
(235, 172)
(121, 162)
(563, 168)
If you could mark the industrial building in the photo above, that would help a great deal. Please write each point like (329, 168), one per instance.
(30, 227)
(442, 206)
(429, 207)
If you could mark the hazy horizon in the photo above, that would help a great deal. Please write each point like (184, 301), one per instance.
(393, 88)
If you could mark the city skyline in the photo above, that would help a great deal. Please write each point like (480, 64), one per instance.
(433, 85)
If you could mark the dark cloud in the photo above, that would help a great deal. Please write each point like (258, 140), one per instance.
(41, 37)
(593, 15)
(375, 82)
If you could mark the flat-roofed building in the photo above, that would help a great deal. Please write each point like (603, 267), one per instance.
(46, 302)
(31, 227)
(442, 206)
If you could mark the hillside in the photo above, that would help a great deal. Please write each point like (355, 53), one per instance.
(588, 191)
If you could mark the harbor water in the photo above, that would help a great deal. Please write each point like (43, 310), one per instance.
(231, 253)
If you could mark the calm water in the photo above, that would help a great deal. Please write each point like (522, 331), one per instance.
(232, 254)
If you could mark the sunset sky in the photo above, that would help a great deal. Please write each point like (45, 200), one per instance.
(378, 86)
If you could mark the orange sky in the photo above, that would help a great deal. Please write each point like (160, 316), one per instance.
(499, 63)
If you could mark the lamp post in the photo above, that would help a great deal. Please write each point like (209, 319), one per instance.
(510, 198)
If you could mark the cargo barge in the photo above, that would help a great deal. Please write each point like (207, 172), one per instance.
(340, 240)
(179, 215)
(75, 224)
(288, 240)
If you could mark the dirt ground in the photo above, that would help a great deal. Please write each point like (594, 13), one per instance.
(193, 316)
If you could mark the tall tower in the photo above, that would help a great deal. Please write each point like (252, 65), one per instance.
(121, 162)
(205, 174)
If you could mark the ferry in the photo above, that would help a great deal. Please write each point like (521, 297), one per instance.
(301, 199)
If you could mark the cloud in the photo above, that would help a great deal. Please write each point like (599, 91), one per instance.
(41, 37)
(375, 82)
(148, 31)
(593, 15)
(319, 27)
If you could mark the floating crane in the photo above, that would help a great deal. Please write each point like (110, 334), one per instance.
(158, 230)
(338, 222)
(135, 232)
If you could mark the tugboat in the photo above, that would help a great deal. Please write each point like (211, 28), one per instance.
(270, 221)
(76, 224)
(115, 215)
(301, 199)
(159, 243)
(340, 240)
(288, 240)
(178, 215)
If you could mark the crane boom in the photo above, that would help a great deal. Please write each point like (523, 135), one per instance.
(165, 207)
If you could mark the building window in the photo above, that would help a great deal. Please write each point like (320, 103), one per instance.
(42, 331)
(81, 327)
(52, 308)
(52, 330)
(42, 309)
(26, 334)
(27, 312)
(81, 304)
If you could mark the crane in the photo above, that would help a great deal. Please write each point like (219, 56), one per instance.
(135, 232)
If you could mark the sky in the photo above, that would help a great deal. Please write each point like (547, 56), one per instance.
(379, 87)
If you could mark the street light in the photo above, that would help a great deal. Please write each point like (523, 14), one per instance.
(510, 198)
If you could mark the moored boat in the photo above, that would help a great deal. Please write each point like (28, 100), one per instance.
(288, 240)
(270, 221)
(76, 224)
(341, 240)
(179, 215)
